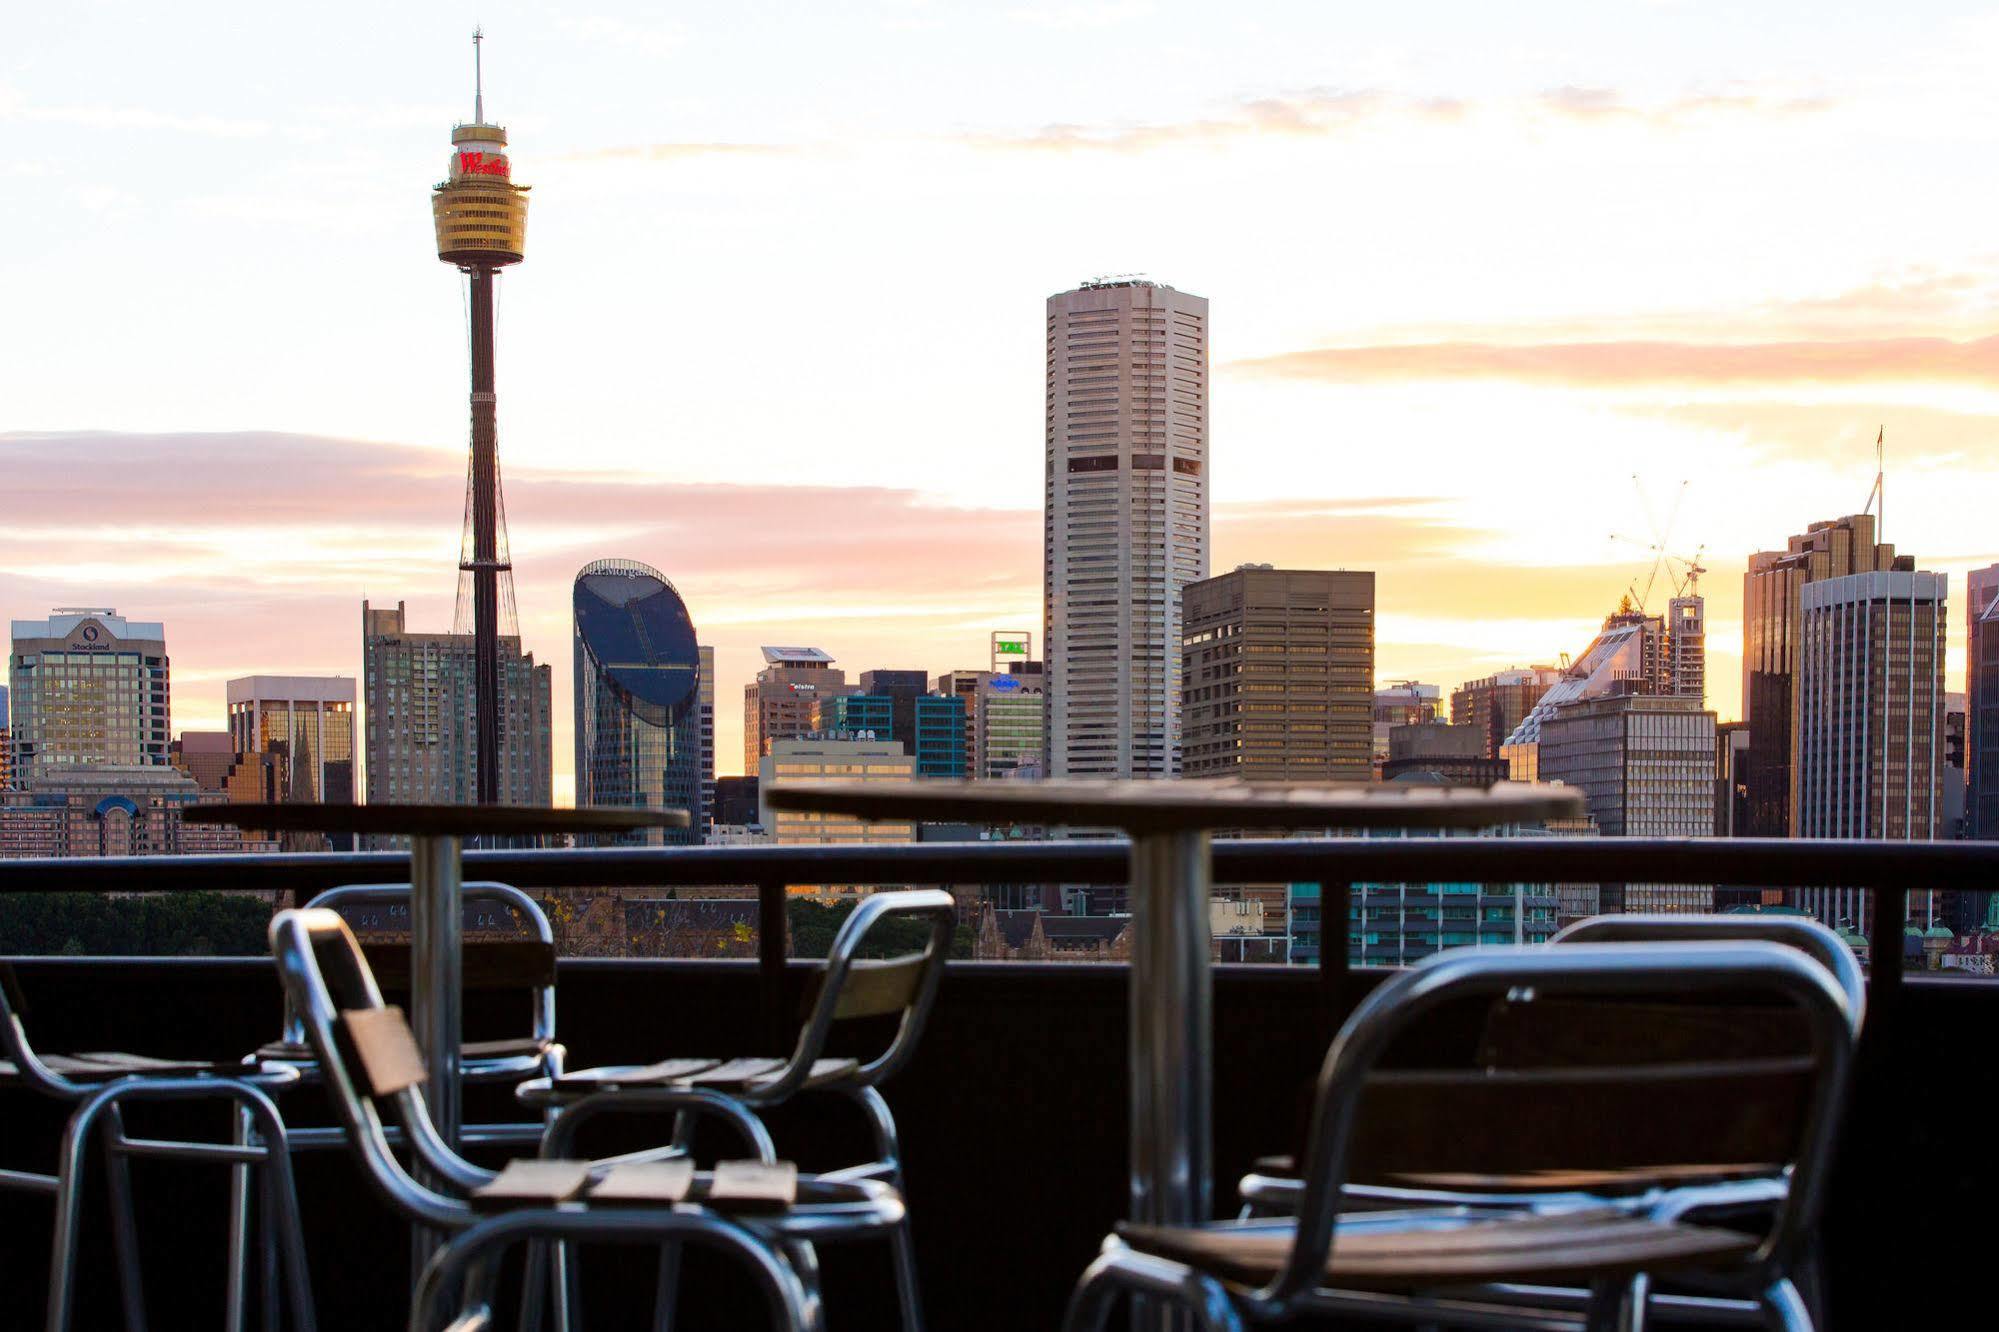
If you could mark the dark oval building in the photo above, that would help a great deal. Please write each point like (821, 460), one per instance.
(638, 694)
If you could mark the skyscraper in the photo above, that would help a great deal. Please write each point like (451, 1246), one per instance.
(419, 702)
(1126, 520)
(6, 744)
(898, 705)
(1772, 610)
(88, 687)
(1871, 705)
(310, 718)
(1981, 680)
(638, 696)
(1645, 763)
(1869, 719)
(783, 701)
(1499, 702)
(707, 656)
(1279, 669)
(481, 223)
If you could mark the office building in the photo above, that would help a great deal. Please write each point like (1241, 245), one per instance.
(837, 756)
(783, 700)
(1645, 765)
(1731, 788)
(1404, 703)
(898, 705)
(1871, 706)
(736, 802)
(1772, 625)
(218, 767)
(1869, 716)
(707, 658)
(1438, 752)
(1126, 521)
(309, 719)
(638, 696)
(1952, 822)
(1006, 718)
(419, 700)
(1981, 720)
(1497, 703)
(1279, 668)
(88, 687)
(112, 809)
(6, 744)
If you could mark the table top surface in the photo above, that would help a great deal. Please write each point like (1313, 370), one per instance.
(434, 820)
(1194, 803)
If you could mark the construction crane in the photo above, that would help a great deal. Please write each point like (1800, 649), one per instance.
(1683, 581)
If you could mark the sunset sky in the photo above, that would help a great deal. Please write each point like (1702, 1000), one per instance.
(1473, 269)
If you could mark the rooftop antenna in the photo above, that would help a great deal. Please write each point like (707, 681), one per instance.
(478, 80)
(1877, 498)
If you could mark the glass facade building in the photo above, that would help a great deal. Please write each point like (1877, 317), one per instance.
(88, 687)
(639, 733)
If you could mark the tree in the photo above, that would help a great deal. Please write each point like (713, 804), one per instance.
(155, 925)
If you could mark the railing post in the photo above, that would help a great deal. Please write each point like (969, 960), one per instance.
(773, 945)
(1885, 942)
(1335, 933)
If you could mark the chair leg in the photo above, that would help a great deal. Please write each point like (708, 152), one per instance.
(290, 1227)
(908, 1293)
(667, 1293)
(804, 1261)
(124, 1220)
(1784, 1310)
(534, 1286)
(239, 1231)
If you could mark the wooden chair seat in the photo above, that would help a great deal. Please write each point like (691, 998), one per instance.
(1569, 1249)
(1610, 1182)
(110, 1065)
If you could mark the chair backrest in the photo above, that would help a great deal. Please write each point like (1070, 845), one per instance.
(1582, 973)
(326, 977)
(15, 1046)
(525, 964)
(857, 987)
(1803, 933)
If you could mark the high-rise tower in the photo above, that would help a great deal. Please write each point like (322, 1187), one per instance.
(1126, 520)
(481, 220)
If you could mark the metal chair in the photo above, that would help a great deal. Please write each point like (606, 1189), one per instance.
(1466, 1265)
(528, 966)
(851, 987)
(100, 1087)
(1274, 1189)
(327, 979)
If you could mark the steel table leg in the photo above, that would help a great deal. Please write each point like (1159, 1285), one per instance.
(1172, 1038)
(437, 923)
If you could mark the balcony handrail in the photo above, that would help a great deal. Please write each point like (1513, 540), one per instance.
(1891, 869)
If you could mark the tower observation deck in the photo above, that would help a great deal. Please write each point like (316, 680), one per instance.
(481, 218)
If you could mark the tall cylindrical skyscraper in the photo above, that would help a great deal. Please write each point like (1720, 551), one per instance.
(481, 218)
(1126, 520)
(638, 695)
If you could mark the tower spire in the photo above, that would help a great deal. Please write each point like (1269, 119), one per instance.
(478, 79)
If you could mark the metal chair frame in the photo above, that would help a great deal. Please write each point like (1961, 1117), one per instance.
(260, 1143)
(572, 1109)
(1277, 1195)
(1584, 970)
(463, 1261)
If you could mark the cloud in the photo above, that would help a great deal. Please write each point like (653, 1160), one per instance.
(1648, 363)
(677, 152)
(1325, 112)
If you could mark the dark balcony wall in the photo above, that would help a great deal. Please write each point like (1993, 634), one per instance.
(1014, 1125)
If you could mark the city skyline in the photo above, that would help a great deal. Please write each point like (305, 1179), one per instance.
(1450, 395)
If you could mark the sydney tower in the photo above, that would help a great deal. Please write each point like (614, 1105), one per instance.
(482, 227)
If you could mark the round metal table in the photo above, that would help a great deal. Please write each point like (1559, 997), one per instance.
(1170, 822)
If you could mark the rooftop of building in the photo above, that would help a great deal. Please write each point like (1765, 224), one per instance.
(64, 621)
